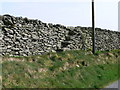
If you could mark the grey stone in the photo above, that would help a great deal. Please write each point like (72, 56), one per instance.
(31, 37)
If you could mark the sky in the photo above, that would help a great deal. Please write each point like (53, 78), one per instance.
(65, 12)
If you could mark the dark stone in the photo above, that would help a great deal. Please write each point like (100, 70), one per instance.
(8, 20)
(26, 20)
(59, 50)
(84, 63)
(67, 38)
(65, 44)
(71, 33)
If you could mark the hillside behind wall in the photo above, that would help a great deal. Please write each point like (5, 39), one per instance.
(22, 36)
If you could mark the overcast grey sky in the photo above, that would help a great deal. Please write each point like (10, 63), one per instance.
(65, 12)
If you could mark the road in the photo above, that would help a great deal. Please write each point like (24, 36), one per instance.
(115, 84)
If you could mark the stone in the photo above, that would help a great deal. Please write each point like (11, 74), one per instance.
(66, 49)
(9, 46)
(15, 49)
(32, 37)
(8, 20)
(35, 36)
(65, 43)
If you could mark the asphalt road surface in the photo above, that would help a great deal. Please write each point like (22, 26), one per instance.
(114, 85)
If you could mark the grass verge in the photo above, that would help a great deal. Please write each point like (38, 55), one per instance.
(69, 69)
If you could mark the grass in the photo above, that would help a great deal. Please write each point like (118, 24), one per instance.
(69, 69)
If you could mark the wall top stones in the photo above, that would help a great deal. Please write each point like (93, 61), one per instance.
(23, 36)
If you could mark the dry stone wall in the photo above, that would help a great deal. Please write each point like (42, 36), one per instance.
(23, 37)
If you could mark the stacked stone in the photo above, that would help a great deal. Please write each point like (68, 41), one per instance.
(107, 40)
(1, 36)
(23, 37)
(31, 37)
(77, 38)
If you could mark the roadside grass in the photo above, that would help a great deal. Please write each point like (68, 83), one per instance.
(69, 69)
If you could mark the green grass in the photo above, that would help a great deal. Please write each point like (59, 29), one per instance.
(69, 69)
